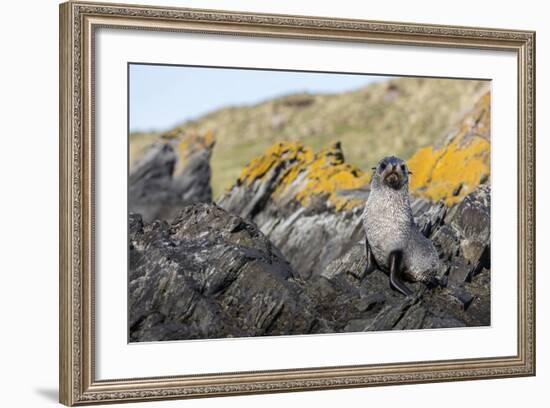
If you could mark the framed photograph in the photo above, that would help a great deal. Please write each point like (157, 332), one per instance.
(255, 203)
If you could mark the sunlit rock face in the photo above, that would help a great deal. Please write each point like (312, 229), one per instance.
(454, 168)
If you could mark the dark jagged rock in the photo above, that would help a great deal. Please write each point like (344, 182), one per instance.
(466, 235)
(150, 183)
(284, 252)
(461, 298)
(171, 174)
(210, 274)
(193, 182)
(428, 216)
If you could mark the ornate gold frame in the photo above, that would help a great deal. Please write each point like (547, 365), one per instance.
(78, 21)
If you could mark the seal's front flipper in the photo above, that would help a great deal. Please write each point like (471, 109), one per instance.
(395, 280)
(371, 262)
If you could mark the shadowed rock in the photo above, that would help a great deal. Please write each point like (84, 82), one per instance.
(462, 296)
(212, 274)
(209, 274)
(171, 174)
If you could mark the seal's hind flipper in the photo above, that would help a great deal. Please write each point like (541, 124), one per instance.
(371, 262)
(395, 279)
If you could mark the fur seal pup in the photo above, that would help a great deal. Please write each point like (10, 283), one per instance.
(393, 242)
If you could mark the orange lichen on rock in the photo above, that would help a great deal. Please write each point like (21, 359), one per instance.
(292, 154)
(327, 174)
(454, 170)
(303, 176)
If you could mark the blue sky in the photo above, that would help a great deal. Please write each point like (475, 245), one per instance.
(164, 96)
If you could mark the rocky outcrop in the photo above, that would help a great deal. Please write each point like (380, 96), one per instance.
(210, 274)
(290, 175)
(171, 174)
(308, 203)
(461, 297)
(310, 206)
(302, 201)
(282, 251)
(457, 166)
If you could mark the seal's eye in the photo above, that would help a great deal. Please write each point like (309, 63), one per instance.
(383, 166)
(403, 168)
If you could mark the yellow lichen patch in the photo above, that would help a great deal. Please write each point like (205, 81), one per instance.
(327, 174)
(463, 170)
(304, 176)
(294, 154)
(451, 172)
(422, 165)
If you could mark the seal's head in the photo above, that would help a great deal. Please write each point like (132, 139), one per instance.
(391, 172)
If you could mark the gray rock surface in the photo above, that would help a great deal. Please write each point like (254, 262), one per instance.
(326, 249)
(210, 274)
(310, 235)
(157, 193)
